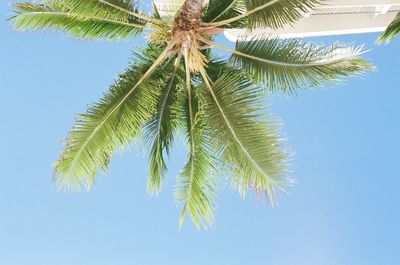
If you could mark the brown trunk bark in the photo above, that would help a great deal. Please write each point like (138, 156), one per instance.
(189, 17)
(193, 6)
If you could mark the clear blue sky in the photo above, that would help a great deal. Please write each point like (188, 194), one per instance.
(344, 209)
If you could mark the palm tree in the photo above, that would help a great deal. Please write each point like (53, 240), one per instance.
(391, 31)
(177, 84)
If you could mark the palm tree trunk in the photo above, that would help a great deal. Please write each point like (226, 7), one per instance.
(192, 6)
(189, 16)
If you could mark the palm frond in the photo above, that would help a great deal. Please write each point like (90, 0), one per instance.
(276, 13)
(83, 21)
(159, 131)
(286, 65)
(391, 31)
(156, 12)
(270, 13)
(120, 8)
(170, 10)
(245, 137)
(112, 123)
(218, 10)
(196, 187)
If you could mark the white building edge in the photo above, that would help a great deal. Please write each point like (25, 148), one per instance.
(335, 17)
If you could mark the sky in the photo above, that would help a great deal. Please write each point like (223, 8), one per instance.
(343, 210)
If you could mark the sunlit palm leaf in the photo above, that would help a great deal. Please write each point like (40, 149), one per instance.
(244, 136)
(75, 21)
(196, 187)
(159, 131)
(111, 124)
(277, 13)
(270, 13)
(287, 65)
(117, 9)
(218, 10)
(392, 30)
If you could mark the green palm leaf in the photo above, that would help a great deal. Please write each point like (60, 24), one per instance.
(287, 65)
(110, 124)
(159, 131)
(392, 30)
(218, 10)
(276, 13)
(269, 13)
(244, 136)
(83, 21)
(117, 9)
(196, 187)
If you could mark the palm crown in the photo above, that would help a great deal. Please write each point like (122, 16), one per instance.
(177, 84)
